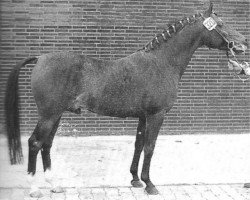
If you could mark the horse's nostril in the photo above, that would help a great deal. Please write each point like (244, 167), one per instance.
(231, 45)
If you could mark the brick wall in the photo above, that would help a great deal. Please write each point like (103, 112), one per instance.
(210, 99)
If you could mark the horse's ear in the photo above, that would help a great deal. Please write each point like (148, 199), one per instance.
(209, 11)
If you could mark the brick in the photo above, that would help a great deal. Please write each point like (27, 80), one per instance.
(108, 30)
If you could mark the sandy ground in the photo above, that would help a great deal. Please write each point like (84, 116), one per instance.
(104, 161)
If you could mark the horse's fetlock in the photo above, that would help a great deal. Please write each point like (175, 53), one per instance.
(133, 171)
(145, 178)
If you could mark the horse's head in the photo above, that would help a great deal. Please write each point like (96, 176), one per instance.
(221, 36)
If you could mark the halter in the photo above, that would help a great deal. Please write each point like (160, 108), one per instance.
(211, 24)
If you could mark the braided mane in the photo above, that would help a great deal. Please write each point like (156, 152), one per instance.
(167, 33)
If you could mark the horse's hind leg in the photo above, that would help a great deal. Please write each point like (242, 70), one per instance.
(36, 141)
(139, 143)
(33, 151)
(45, 151)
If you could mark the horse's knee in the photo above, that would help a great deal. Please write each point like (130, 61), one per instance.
(149, 149)
(139, 143)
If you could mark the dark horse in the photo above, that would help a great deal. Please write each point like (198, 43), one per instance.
(142, 85)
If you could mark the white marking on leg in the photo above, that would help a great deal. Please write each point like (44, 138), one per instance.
(139, 132)
(48, 174)
(50, 178)
(34, 190)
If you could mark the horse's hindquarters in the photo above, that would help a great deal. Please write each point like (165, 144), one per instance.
(55, 82)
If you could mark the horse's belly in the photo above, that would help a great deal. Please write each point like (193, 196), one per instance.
(129, 105)
(115, 106)
(108, 105)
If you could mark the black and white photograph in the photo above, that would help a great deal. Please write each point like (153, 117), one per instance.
(124, 100)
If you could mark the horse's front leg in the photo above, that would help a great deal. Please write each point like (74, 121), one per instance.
(153, 125)
(139, 144)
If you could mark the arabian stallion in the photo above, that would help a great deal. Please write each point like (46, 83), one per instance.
(142, 85)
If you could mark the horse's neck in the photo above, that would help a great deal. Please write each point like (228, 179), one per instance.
(177, 52)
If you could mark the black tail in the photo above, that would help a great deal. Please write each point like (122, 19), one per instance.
(12, 113)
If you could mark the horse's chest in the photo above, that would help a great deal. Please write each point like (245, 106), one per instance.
(162, 94)
(159, 100)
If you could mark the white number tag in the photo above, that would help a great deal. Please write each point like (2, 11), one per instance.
(209, 23)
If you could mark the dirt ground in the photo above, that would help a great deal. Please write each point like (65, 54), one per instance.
(104, 161)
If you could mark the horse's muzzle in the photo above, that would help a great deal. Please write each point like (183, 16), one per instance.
(238, 48)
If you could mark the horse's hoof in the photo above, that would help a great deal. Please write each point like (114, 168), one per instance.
(247, 185)
(151, 190)
(36, 194)
(57, 189)
(136, 183)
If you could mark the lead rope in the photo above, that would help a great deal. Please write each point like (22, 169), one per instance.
(235, 74)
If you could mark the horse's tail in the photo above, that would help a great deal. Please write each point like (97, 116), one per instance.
(12, 113)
